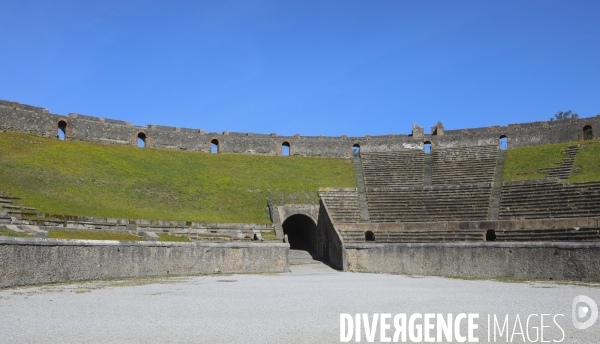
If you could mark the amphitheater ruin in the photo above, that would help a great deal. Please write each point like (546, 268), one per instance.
(424, 203)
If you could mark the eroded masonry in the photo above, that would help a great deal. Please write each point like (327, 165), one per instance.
(431, 204)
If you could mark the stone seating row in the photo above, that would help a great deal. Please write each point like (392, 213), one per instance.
(429, 204)
(535, 200)
(551, 234)
(393, 168)
(422, 236)
(465, 165)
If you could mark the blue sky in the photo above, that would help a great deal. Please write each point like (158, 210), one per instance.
(307, 67)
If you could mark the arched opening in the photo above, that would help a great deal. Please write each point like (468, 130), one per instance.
(214, 146)
(62, 130)
(588, 132)
(503, 141)
(302, 233)
(369, 236)
(490, 235)
(356, 150)
(427, 147)
(141, 140)
(285, 149)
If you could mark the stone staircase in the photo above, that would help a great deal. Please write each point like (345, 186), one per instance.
(497, 187)
(565, 166)
(360, 188)
(427, 170)
(11, 213)
(342, 204)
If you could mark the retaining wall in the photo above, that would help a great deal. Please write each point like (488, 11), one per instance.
(530, 260)
(34, 261)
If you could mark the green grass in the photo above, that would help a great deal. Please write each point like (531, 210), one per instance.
(523, 163)
(586, 167)
(172, 238)
(206, 235)
(87, 179)
(90, 235)
(8, 233)
(269, 235)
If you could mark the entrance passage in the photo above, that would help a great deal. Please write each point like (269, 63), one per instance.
(302, 233)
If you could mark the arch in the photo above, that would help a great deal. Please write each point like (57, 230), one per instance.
(61, 131)
(369, 236)
(285, 148)
(587, 132)
(307, 214)
(141, 139)
(356, 150)
(427, 146)
(302, 232)
(503, 142)
(214, 146)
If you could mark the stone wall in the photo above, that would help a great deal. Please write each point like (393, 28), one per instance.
(531, 260)
(39, 121)
(329, 237)
(34, 261)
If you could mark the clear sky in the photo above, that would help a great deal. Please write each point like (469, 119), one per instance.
(310, 67)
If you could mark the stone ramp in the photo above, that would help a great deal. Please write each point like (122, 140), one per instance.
(301, 257)
(305, 263)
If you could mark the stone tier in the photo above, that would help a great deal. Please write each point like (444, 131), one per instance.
(449, 203)
(540, 199)
(468, 165)
(404, 168)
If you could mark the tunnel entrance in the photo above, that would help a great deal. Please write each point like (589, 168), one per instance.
(302, 233)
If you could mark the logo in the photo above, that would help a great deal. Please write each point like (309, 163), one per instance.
(583, 307)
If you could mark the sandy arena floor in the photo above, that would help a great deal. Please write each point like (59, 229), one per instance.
(303, 306)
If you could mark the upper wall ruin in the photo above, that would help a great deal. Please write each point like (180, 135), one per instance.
(39, 121)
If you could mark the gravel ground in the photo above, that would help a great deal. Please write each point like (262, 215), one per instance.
(303, 306)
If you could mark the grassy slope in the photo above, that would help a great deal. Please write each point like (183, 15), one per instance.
(586, 167)
(78, 178)
(523, 163)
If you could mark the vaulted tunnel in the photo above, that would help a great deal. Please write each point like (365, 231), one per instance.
(302, 232)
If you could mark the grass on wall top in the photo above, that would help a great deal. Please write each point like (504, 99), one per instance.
(523, 163)
(9, 233)
(91, 235)
(88, 179)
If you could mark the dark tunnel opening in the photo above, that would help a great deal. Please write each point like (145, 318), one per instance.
(302, 233)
